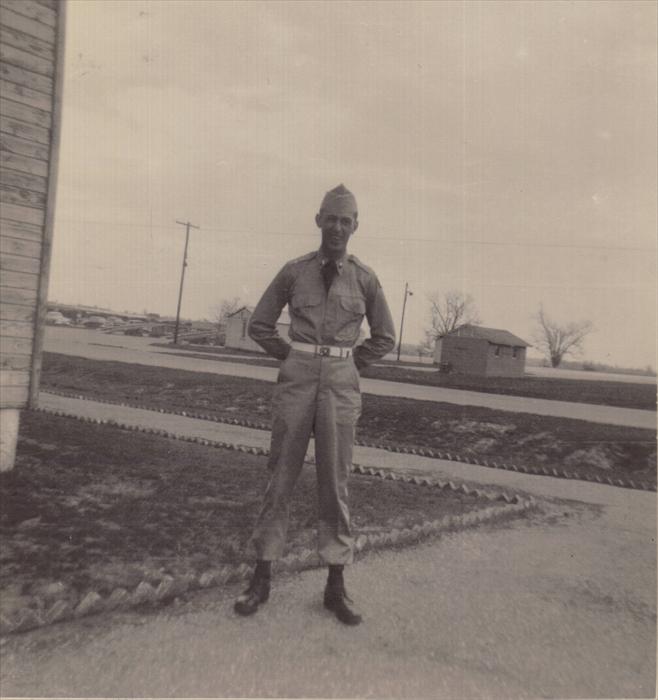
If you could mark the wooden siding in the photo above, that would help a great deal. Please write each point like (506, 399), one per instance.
(22, 164)
(16, 329)
(501, 361)
(25, 42)
(470, 355)
(14, 73)
(19, 263)
(15, 312)
(22, 130)
(31, 53)
(20, 229)
(464, 355)
(20, 280)
(34, 10)
(16, 296)
(32, 183)
(15, 362)
(18, 246)
(25, 95)
(25, 59)
(30, 115)
(20, 22)
(15, 396)
(15, 346)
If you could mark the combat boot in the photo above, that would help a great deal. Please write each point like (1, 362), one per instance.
(258, 592)
(337, 600)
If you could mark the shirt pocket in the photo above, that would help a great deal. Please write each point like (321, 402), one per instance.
(303, 301)
(352, 306)
(350, 312)
(307, 310)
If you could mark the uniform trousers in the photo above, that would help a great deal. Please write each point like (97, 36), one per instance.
(320, 396)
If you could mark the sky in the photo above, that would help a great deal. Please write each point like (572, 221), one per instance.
(504, 149)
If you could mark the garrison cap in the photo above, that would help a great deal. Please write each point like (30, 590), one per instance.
(340, 200)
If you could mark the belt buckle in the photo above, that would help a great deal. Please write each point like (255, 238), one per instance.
(324, 351)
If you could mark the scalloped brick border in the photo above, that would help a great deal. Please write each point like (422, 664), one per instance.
(144, 593)
(419, 451)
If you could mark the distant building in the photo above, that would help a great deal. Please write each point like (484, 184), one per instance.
(236, 329)
(488, 352)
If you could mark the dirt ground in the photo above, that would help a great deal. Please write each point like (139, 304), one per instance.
(577, 447)
(95, 507)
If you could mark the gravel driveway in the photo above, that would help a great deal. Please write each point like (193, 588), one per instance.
(561, 606)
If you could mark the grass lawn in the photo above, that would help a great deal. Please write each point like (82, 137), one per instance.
(473, 432)
(95, 507)
(621, 394)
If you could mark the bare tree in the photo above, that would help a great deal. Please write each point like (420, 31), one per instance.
(225, 308)
(556, 340)
(448, 312)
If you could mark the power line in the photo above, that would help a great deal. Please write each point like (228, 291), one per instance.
(411, 239)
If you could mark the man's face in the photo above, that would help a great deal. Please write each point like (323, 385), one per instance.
(337, 225)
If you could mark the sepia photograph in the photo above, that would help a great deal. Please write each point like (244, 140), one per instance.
(328, 336)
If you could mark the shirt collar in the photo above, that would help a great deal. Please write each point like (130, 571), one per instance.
(340, 263)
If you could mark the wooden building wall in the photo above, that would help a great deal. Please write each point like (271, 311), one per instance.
(505, 364)
(478, 356)
(31, 63)
(465, 355)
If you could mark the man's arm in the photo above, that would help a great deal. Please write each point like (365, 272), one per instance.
(382, 330)
(262, 325)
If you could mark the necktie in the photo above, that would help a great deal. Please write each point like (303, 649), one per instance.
(329, 271)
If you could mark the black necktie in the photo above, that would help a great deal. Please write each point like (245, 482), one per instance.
(329, 271)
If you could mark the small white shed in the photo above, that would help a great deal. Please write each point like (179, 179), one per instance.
(236, 329)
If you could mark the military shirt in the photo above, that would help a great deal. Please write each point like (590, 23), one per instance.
(325, 318)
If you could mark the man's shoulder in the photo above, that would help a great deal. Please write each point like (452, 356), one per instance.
(361, 265)
(302, 258)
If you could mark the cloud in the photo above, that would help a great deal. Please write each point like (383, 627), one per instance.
(475, 135)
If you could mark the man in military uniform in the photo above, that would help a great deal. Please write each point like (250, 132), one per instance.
(328, 293)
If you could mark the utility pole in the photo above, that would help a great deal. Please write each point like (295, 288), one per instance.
(188, 226)
(407, 293)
